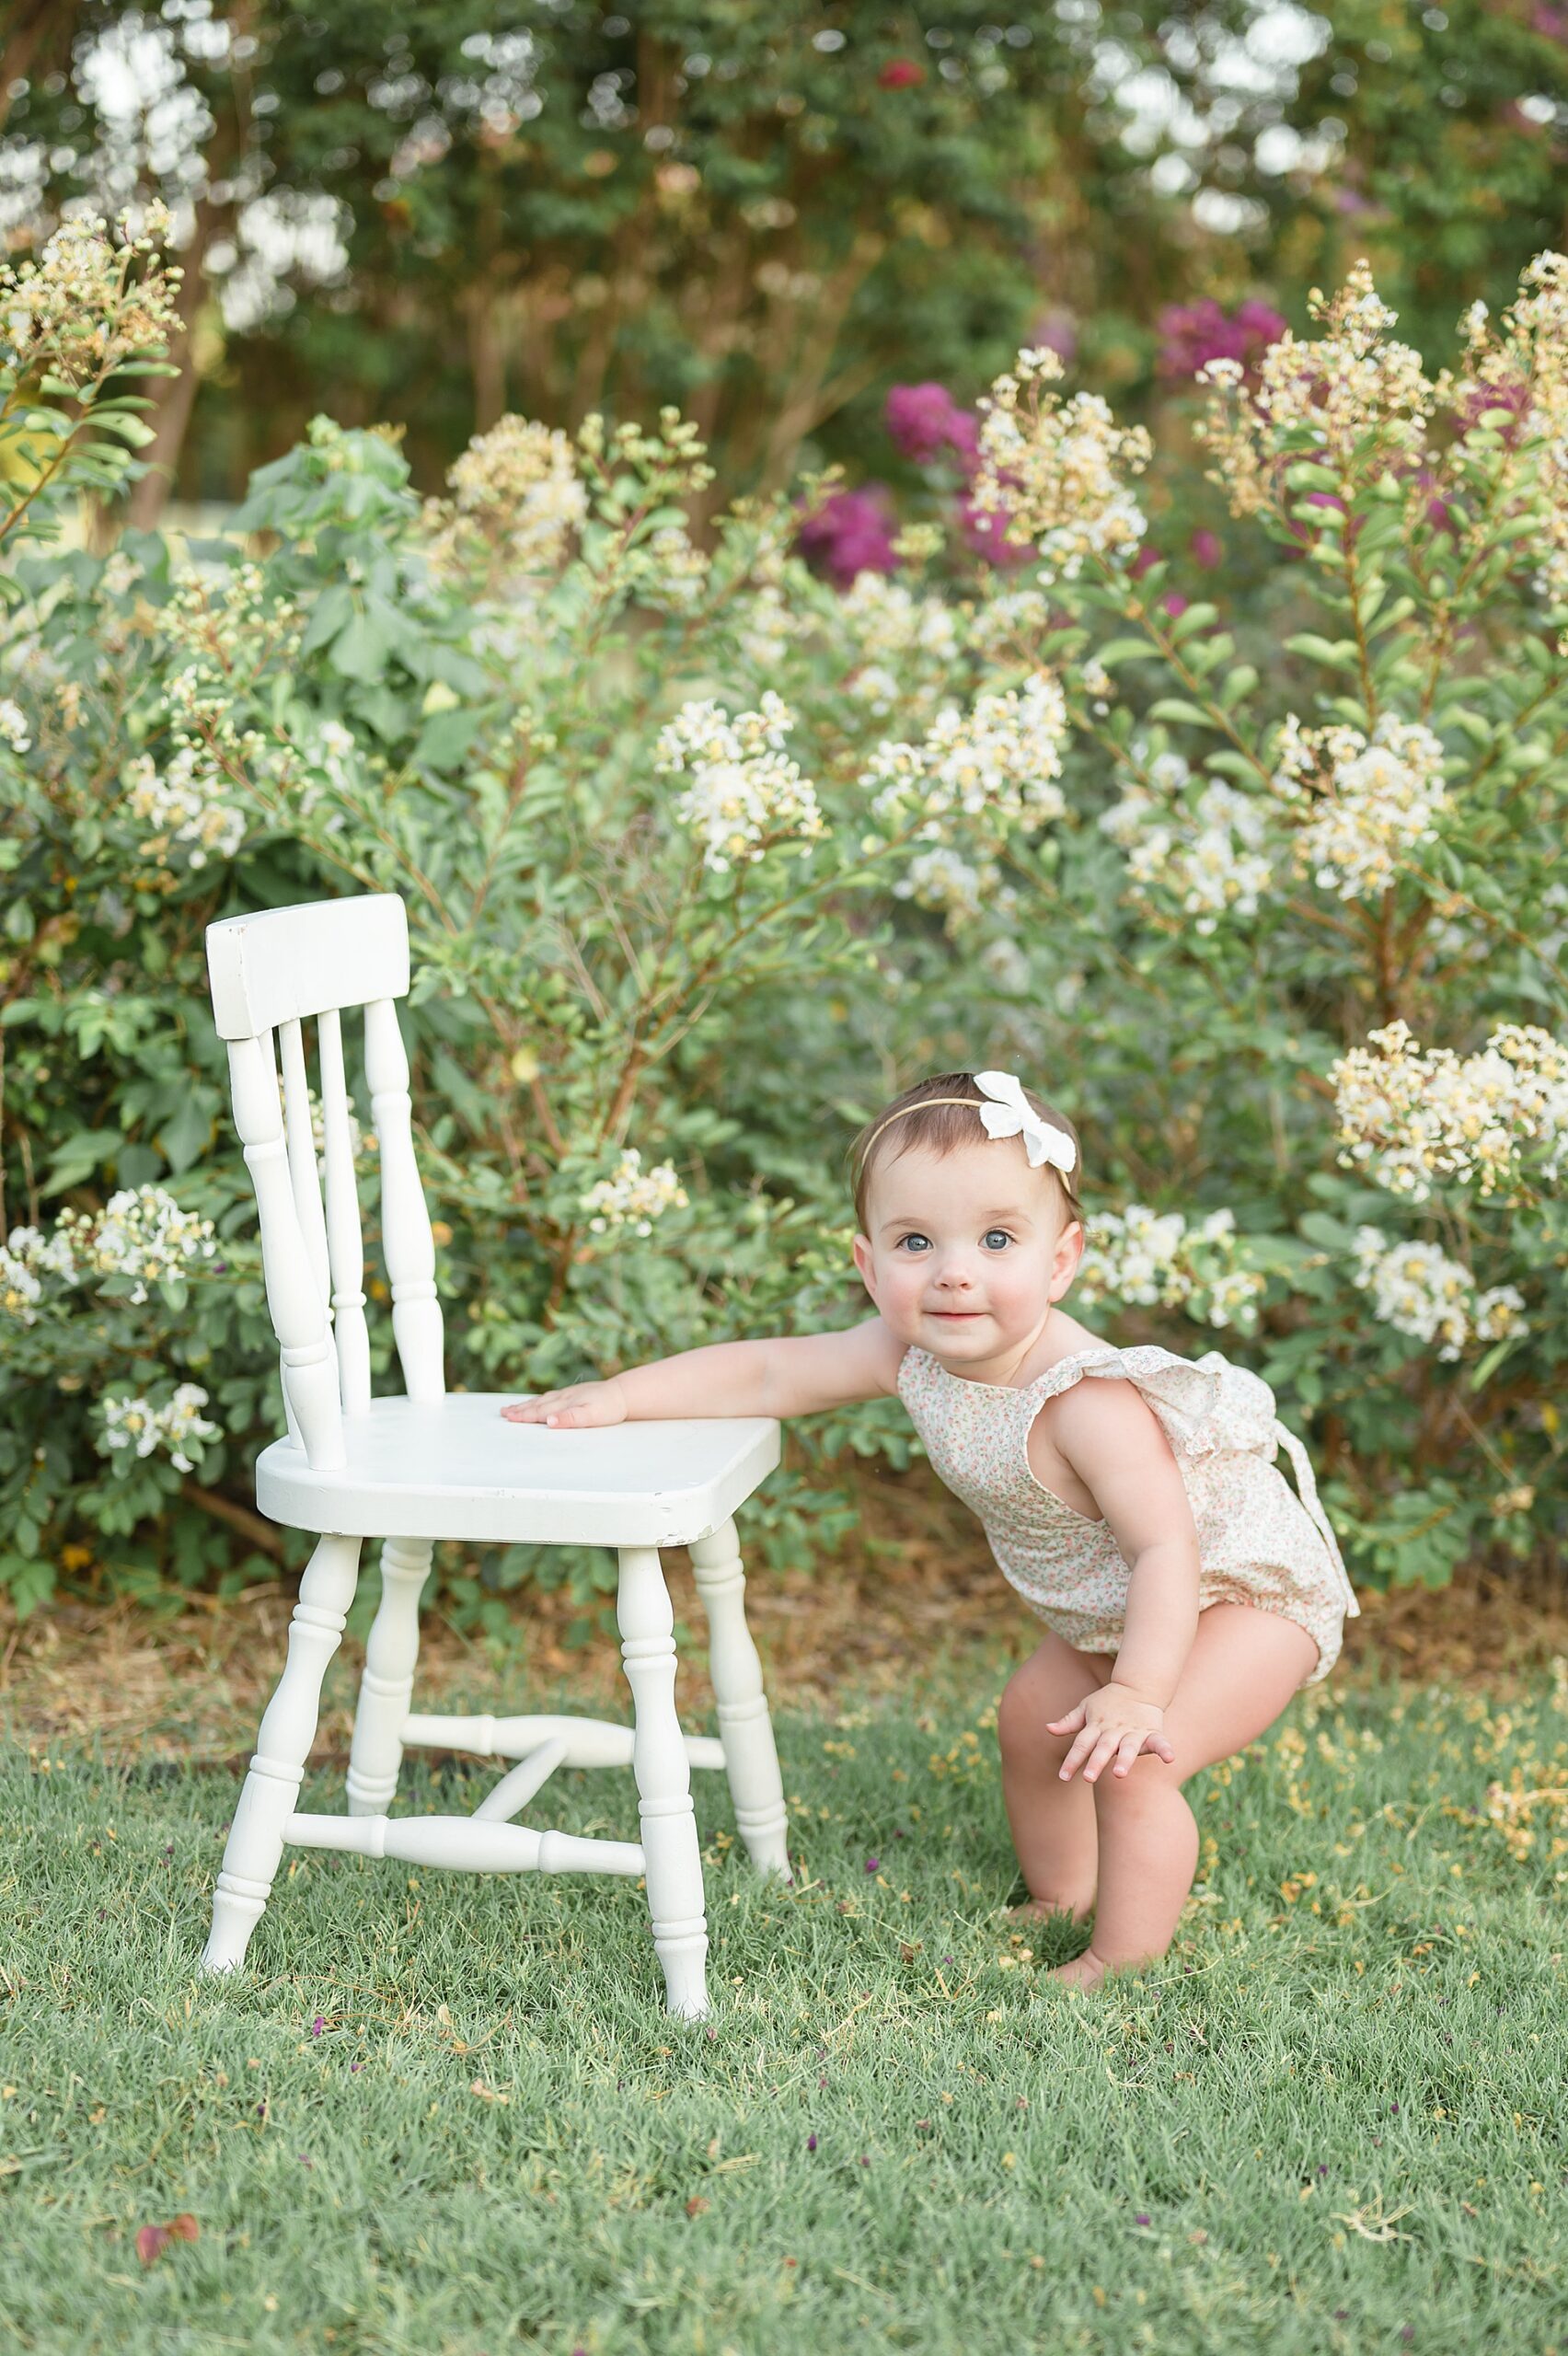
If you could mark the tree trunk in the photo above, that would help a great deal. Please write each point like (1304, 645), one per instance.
(36, 33)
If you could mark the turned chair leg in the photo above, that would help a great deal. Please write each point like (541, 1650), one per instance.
(751, 1756)
(673, 1861)
(375, 1752)
(272, 1788)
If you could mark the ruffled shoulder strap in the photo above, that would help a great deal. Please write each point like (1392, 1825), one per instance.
(1207, 1406)
(1203, 1404)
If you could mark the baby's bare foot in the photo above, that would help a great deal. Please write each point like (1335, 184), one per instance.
(1040, 1910)
(1085, 1971)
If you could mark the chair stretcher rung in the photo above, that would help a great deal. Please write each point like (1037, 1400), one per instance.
(465, 1844)
(590, 1742)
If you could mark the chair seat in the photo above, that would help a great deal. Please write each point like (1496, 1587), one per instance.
(452, 1468)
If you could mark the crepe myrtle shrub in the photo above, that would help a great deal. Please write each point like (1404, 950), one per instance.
(1335, 825)
(704, 856)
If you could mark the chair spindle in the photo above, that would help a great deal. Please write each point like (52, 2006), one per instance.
(345, 1240)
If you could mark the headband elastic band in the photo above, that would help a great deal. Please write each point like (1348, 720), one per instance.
(907, 1109)
(1005, 1112)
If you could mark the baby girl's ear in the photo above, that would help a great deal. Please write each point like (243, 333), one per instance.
(865, 1265)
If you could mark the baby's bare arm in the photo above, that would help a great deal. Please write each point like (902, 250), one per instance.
(797, 1374)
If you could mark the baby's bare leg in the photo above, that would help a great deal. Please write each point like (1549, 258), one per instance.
(1244, 1666)
(1053, 1823)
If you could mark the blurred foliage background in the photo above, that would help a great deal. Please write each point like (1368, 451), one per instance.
(431, 212)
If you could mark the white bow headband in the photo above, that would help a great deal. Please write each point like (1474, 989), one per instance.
(1008, 1113)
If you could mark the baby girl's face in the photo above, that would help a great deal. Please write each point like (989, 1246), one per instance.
(968, 1250)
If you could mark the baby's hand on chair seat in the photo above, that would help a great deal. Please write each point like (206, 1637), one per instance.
(1113, 1727)
(581, 1406)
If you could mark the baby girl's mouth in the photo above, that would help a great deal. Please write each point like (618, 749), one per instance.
(956, 1315)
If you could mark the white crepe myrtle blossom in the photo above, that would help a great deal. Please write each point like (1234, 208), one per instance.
(1527, 348)
(183, 805)
(1148, 1258)
(1418, 1290)
(1361, 804)
(1354, 382)
(1209, 854)
(77, 312)
(1408, 1117)
(995, 763)
(883, 619)
(767, 627)
(1018, 617)
(515, 489)
(632, 1197)
(27, 1259)
(743, 793)
(141, 1233)
(876, 688)
(14, 730)
(938, 879)
(179, 1426)
(1057, 470)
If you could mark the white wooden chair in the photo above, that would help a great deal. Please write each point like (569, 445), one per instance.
(433, 1464)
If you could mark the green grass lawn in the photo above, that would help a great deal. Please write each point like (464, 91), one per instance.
(448, 2114)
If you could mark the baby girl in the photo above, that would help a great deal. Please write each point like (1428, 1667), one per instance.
(1131, 1497)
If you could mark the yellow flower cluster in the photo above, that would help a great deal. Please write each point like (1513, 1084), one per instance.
(995, 763)
(77, 313)
(743, 794)
(633, 1197)
(1055, 469)
(1516, 374)
(1408, 1117)
(515, 495)
(1363, 802)
(1354, 381)
(1418, 1290)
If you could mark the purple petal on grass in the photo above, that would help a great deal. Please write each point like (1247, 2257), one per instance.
(811, 2142)
(873, 1865)
(318, 2025)
(1142, 2217)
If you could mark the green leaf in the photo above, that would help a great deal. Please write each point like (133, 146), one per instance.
(1337, 654)
(360, 652)
(1128, 649)
(1173, 708)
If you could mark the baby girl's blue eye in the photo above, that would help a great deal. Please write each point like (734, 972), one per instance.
(998, 1238)
(920, 1242)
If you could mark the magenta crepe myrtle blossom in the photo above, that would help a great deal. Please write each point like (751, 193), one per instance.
(850, 534)
(1205, 550)
(901, 74)
(925, 419)
(987, 534)
(1551, 23)
(1193, 333)
(917, 417)
(1148, 554)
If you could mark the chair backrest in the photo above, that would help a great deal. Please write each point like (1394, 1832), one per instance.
(270, 974)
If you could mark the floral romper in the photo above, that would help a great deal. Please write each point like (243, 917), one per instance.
(1258, 1542)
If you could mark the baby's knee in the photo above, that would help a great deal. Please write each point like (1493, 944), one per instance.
(1023, 1715)
(1149, 1783)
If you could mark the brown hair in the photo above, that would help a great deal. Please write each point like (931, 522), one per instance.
(922, 1119)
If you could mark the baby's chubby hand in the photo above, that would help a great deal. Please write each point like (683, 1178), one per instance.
(581, 1408)
(1112, 1725)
